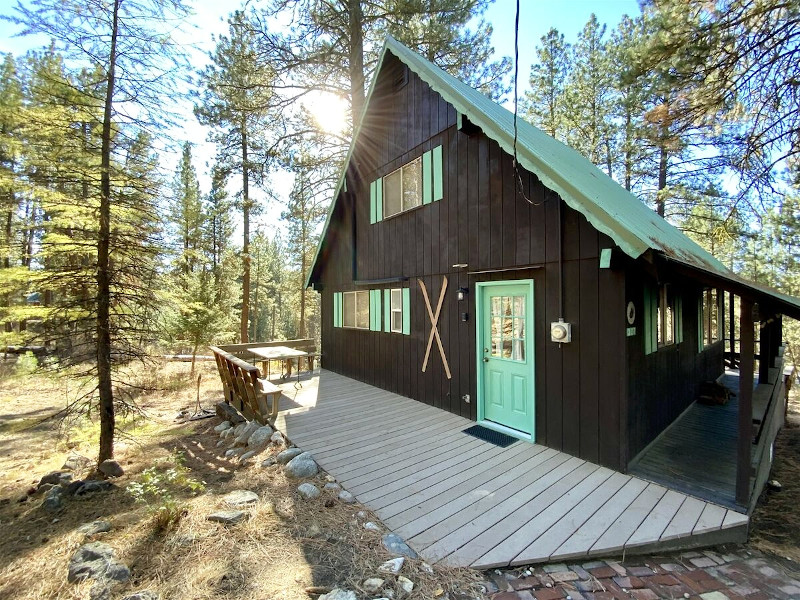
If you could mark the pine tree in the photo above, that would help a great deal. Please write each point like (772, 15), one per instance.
(546, 101)
(128, 52)
(590, 97)
(235, 103)
(187, 212)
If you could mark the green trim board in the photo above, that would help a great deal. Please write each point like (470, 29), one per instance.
(406, 311)
(438, 188)
(530, 356)
(650, 318)
(427, 189)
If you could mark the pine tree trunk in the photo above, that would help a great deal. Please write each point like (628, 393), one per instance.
(103, 266)
(7, 261)
(303, 281)
(246, 242)
(356, 62)
(662, 180)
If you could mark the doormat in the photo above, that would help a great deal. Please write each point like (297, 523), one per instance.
(491, 436)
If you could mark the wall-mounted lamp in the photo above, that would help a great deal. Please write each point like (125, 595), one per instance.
(462, 293)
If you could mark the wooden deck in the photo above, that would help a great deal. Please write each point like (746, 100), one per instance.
(466, 502)
(697, 452)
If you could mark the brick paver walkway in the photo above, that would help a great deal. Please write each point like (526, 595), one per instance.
(733, 573)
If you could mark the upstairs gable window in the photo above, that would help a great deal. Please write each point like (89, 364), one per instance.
(402, 189)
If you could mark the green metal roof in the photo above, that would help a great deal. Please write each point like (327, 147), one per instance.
(609, 207)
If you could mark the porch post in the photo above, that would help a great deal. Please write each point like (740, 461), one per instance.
(746, 365)
(764, 348)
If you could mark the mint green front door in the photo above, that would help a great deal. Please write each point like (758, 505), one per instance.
(505, 355)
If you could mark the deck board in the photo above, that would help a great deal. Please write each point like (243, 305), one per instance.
(466, 502)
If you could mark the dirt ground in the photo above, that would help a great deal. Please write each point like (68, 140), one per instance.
(287, 549)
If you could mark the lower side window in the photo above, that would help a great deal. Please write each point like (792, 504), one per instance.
(355, 310)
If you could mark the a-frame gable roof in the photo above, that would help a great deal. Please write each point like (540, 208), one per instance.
(609, 207)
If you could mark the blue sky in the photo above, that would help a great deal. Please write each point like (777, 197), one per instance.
(536, 17)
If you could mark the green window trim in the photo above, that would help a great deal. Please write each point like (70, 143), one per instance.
(438, 188)
(374, 310)
(373, 205)
(406, 311)
(337, 309)
(427, 189)
(678, 319)
(387, 311)
(650, 318)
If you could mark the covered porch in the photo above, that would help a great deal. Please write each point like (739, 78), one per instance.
(462, 501)
(723, 452)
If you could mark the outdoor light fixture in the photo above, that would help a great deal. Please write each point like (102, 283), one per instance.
(462, 293)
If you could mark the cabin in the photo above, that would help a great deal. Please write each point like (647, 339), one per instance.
(496, 274)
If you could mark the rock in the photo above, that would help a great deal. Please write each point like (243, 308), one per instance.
(76, 462)
(337, 594)
(91, 486)
(287, 455)
(332, 487)
(226, 517)
(240, 498)
(223, 426)
(405, 584)
(330, 478)
(774, 485)
(426, 568)
(276, 438)
(111, 468)
(42, 488)
(301, 466)
(95, 560)
(94, 527)
(260, 436)
(372, 585)
(370, 526)
(226, 412)
(100, 590)
(346, 497)
(268, 462)
(227, 434)
(395, 544)
(239, 429)
(142, 595)
(220, 443)
(234, 452)
(56, 478)
(361, 514)
(244, 435)
(54, 500)
(308, 491)
(392, 566)
(247, 456)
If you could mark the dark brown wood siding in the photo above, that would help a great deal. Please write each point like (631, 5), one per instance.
(661, 385)
(483, 222)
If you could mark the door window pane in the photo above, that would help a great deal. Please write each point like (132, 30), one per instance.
(507, 327)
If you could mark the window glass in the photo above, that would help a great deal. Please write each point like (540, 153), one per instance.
(710, 317)
(666, 316)
(392, 189)
(412, 184)
(349, 309)
(362, 310)
(397, 311)
(355, 309)
(402, 189)
(508, 327)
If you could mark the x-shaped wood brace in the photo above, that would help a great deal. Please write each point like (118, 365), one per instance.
(434, 326)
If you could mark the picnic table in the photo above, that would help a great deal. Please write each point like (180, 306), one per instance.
(281, 353)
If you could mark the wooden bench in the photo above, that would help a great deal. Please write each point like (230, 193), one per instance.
(307, 345)
(245, 389)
